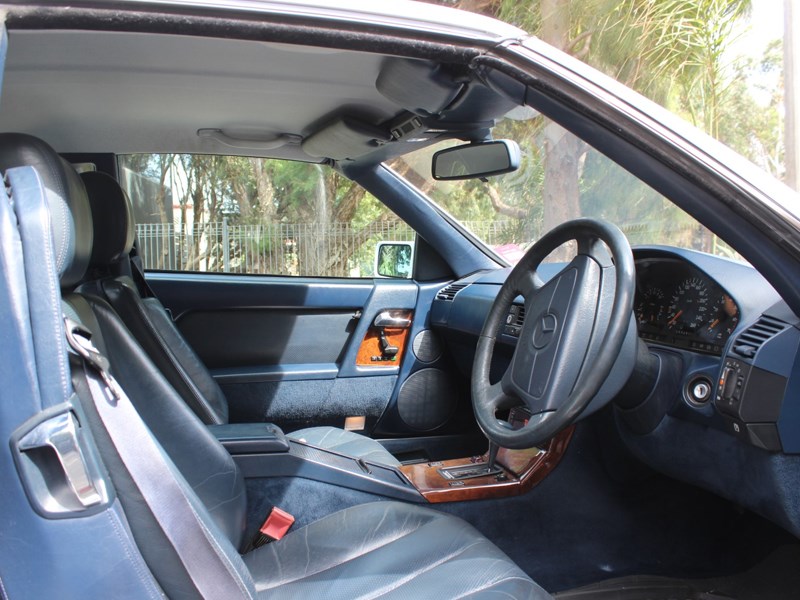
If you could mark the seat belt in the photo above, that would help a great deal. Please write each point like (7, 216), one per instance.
(137, 272)
(209, 568)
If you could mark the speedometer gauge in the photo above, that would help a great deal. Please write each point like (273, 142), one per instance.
(690, 307)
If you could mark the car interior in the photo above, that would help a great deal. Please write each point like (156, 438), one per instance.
(618, 420)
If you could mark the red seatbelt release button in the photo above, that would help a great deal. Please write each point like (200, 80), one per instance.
(277, 524)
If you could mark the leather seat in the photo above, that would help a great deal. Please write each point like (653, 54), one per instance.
(384, 549)
(442, 557)
(151, 325)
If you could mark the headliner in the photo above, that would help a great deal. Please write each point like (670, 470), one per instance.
(89, 91)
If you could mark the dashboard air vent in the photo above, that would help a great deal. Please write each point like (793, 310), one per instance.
(520, 317)
(449, 292)
(748, 343)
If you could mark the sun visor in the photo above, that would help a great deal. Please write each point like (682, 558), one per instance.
(343, 138)
(421, 87)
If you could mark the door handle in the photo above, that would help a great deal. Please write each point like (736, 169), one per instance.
(388, 320)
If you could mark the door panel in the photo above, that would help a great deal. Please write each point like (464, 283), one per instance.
(294, 404)
(286, 350)
(255, 337)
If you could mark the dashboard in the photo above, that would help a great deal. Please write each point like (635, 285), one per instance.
(732, 340)
(724, 411)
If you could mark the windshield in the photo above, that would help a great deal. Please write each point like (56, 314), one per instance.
(723, 66)
(560, 178)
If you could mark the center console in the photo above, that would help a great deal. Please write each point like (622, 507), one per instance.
(261, 450)
(517, 471)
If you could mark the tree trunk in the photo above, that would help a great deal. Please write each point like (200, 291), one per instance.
(561, 190)
(561, 164)
(265, 193)
(791, 79)
(322, 222)
(164, 213)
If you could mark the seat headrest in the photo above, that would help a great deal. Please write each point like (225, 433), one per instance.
(70, 215)
(112, 216)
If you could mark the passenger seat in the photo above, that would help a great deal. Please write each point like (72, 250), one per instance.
(154, 329)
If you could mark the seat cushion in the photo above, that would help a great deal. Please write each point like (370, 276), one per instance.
(387, 550)
(345, 442)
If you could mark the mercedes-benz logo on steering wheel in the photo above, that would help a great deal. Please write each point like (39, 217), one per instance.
(544, 331)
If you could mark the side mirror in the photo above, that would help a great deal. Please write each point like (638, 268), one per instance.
(394, 259)
(482, 159)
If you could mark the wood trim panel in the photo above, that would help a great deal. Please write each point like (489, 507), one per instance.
(370, 345)
(522, 470)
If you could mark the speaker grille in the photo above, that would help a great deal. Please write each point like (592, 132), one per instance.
(427, 399)
(427, 347)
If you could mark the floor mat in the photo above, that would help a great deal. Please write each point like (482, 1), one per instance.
(603, 515)
(775, 578)
(640, 588)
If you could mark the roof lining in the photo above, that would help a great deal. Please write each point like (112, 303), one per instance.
(205, 22)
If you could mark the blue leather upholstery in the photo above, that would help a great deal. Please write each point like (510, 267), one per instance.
(352, 550)
(63, 558)
(385, 549)
(156, 332)
(66, 197)
(344, 442)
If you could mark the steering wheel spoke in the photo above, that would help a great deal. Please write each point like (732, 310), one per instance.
(528, 283)
(597, 250)
(499, 399)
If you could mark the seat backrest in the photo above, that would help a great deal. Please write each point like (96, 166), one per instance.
(85, 551)
(201, 465)
(146, 318)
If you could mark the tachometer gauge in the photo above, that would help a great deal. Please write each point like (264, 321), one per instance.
(650, 306)
(691, 306)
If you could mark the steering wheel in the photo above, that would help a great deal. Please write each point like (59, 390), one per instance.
(574, 329)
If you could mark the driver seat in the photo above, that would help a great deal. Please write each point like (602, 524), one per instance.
(383, 549)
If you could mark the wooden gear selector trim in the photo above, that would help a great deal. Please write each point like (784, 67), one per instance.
(521, 470)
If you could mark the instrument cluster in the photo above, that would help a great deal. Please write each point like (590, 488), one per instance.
(678, 305)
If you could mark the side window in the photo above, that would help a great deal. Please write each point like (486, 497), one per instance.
(232, 214)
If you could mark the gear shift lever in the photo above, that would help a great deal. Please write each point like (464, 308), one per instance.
(493, 448)
(476, 469)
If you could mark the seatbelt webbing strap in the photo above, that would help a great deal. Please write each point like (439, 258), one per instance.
(206, 563)
(137, 273)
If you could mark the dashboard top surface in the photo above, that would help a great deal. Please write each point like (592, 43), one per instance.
(684, 299)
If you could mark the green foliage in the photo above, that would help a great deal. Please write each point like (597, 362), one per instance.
(677, 52)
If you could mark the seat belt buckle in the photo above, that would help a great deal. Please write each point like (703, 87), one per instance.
(274, 528)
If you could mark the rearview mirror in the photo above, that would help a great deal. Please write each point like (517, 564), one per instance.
(482, 159)
(394, 259)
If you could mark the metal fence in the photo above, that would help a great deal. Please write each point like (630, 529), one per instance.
(311, 249)
(333, 249)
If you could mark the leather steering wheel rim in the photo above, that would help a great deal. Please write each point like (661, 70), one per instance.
(571, 337)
